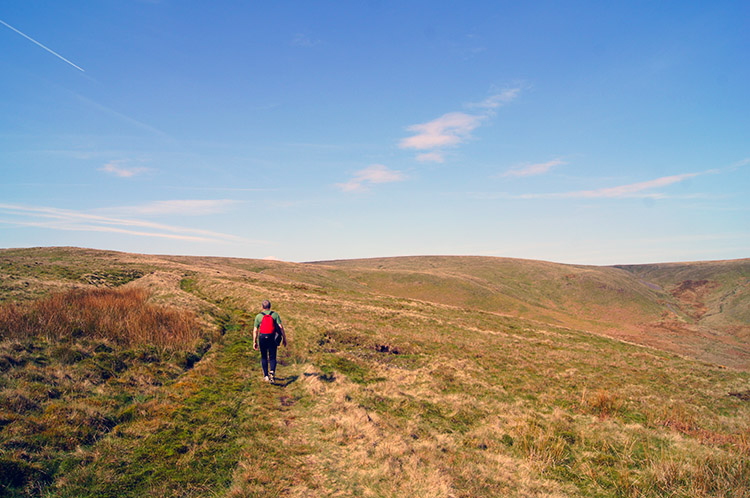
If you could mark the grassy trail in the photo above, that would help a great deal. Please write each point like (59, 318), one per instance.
(189, 440)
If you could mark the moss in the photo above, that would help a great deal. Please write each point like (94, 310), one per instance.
(188, 359)
(188, 284)
(68, 354)
(353, 371)
(70, 401)
(507, 440)
(16, 474)
(108, 365)
(112, 278)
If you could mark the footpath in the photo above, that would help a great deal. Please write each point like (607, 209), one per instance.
(200, 435)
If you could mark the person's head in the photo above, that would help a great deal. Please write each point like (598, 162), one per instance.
(266, 304)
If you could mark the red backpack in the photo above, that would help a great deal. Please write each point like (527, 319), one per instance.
(267, 325)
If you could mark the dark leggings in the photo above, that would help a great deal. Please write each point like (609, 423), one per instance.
(267, 352)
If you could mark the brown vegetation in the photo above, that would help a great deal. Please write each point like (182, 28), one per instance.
(602, 403)
(692, 295)
(123, 315)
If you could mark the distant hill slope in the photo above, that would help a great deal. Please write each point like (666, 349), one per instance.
(711, 293)
(710, 309)
(697, 309)
(600, 297)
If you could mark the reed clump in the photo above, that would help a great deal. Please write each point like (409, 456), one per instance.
(122, 315)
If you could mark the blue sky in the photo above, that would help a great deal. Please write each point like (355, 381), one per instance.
(575, 132)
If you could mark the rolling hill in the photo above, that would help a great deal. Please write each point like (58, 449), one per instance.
(424, 376)
(698, 309)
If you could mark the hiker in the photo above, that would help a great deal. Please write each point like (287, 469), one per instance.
(268, 333)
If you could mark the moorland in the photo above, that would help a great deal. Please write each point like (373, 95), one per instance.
(134, 375)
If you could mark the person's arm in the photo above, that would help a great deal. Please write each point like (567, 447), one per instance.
(255, 338)
(281, 329)
(283, 334)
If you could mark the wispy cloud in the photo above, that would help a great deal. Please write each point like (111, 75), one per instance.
(468, 47)
(496, 100)
(67, 219)
(183, 207)
(304, 40)
(651, 189)
(638, 190)
(121, 116)
(739, 164)
(221, 189)
(376, 173)
(44, 47)
(533, 169)
(447, 130)
(453, 128)
(116, 168)
(435, 157)
(77, 227)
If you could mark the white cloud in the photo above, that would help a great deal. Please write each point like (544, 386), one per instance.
(73, 227)
(304, 40)
(447, 130)
(116, 169)
(637, 190)
(496, 100)
(184, 207)
(67, 219)
(739, 164)
(435, 157)
(640, 190)
(453, 128)
(351, 186)
(633, 189)
(375, 173)
(533, 169)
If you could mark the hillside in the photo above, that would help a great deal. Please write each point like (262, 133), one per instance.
(711, 293)
(700, 310)
(431, 376)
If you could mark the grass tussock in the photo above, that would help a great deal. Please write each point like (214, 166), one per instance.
(602, 403)
(121, 315)
(687, 475)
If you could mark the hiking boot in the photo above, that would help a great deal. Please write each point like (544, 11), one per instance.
(272, 377)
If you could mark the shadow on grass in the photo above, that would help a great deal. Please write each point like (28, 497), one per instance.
(325, 377)
(285, 381)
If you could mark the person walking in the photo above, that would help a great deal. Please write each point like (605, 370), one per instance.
(268, 333)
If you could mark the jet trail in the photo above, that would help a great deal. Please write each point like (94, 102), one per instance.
(45, 48)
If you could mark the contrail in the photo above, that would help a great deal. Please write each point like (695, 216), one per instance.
(45, 48)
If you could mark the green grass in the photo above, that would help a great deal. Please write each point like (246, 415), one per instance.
(199, 428)
(29, 273)
(58, 397)
(462, 402)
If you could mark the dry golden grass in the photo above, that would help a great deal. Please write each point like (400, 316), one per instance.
(602, 403)
(123, 315)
